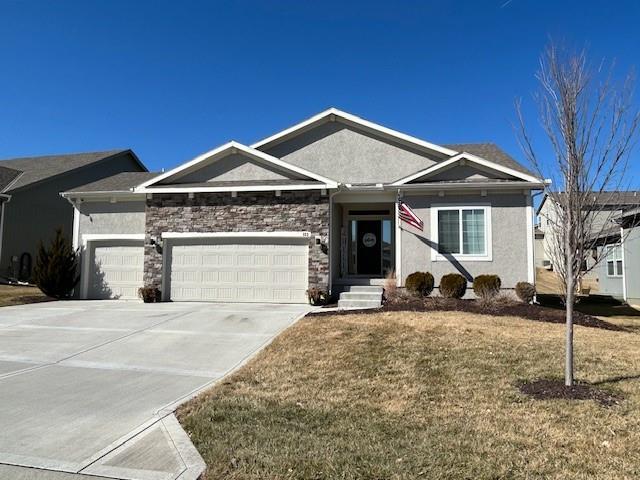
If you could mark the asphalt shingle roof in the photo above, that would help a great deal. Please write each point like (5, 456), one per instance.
(35, 169)
(7, 175)
(491, 152)
(120, 182)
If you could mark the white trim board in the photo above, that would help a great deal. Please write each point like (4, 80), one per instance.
(248, 188)
(531, 272)
(177, 235)
(333, 113)
(96, 237)
(471, 158)
(231, 148)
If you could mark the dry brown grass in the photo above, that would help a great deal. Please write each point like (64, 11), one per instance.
(19, 294)
(420, 395)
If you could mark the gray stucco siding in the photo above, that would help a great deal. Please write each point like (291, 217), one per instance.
(347, 155)
(111, 218)
(508, 233)
(232, 168)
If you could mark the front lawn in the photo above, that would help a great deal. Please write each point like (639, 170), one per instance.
(421, 395)
(21, 294)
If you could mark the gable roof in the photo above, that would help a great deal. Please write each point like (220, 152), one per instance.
(120, 182)
(491, 152)
(229, 149)
(613, 198)
(37, 169)
(333, 114)
(7, 177)
(471, 158)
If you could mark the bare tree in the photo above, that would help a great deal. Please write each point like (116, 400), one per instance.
(591, 125)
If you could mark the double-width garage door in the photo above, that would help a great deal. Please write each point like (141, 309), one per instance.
(116, 269)
(238, 270)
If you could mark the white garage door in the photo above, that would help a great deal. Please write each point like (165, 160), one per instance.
(233, 270)
(116, 269)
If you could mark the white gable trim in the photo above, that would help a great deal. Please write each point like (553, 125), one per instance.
(353, 120)
(238, 188)
(235, 147)
(473, 159)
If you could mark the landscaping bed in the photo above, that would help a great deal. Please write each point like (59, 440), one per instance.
(401, 395)
(500, 307)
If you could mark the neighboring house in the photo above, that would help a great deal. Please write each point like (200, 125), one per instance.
(611, 204)
(312, 206)
(540, 258)
(606, 277)
(31, 205)
(618, 272)
(624, 258)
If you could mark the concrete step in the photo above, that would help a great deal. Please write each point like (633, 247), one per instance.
(359, 303)
(364, 289)
(373, 296)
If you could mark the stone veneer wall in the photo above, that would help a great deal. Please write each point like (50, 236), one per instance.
(248, 212)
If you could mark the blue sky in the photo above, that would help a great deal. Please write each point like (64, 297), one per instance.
(174, 79)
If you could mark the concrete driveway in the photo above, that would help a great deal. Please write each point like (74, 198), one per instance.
(89, 387)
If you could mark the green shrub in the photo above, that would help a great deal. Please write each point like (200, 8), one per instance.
(420, 283)
(55, 270)
(525, 291)
(150, 294)
(453, 285)
(486, 286)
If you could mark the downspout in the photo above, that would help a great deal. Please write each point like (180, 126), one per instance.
(398, 242)
(7, 199)
(624, 265)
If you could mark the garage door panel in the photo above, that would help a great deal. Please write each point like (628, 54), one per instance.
(116, 270)
(260, 270)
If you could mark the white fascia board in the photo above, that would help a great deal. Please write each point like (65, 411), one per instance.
(234, 147)
(472, 158)
(171, 235)
(246, 188)
(106, 195)
(95, 237)
(426, 187)
(353, 119)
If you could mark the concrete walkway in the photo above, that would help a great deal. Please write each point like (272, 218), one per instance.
(88, 388)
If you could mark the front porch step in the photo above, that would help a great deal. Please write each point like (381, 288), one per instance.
(359, 303)
(361, 296)
(351, 295)
(364, 289)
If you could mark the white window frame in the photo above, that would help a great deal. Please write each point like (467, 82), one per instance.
(439, 257)
(610, 257)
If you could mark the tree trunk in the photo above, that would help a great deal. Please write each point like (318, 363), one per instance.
(568, 362)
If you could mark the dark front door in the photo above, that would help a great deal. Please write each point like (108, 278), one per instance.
(369, 247)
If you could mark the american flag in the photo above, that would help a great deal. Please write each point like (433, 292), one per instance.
(407, 215)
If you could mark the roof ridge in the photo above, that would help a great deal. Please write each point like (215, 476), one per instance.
(92, 152)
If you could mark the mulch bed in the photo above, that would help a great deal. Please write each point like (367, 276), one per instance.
(546, 389)
(537, 313)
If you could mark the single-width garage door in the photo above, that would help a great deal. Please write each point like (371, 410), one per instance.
(116, 269)
(239, 270)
